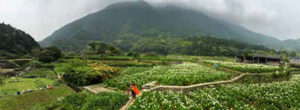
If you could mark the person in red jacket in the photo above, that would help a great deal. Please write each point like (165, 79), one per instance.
(134, 90)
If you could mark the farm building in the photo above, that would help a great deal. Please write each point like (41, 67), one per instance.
(275, 60)
(295, 61)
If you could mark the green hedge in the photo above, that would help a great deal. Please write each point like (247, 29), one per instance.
(83, 73)
(87, 101)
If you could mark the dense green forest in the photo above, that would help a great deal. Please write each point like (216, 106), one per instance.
(15, 42)
(203, 46)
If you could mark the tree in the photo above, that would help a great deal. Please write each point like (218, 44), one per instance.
(49, 54)
(284, 56)
(102, 48)
(97, 47)
(133, 54)
(1, 81)
(114, 50)
(293, 54)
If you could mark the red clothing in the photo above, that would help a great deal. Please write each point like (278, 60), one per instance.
(135, 90)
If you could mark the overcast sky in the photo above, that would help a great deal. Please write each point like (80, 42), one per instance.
(40, 18)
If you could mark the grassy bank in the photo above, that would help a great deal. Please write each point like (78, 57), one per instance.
(29, 101)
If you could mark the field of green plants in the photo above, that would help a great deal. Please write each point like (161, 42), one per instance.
(12, 85)
(270, 96)
(181, 74)
(243, 67)
(268, 91)
(87, 101)
(36, 99)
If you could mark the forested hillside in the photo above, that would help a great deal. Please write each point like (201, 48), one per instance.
(193, 45)
(15, 42)
(206, 46)
(126, 23)
(293, 44)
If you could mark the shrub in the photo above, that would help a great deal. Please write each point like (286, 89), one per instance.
(152, 54)
(74, 101)
(82, 73)
(280, 75)
(49, 54)
(1, 81)
(106, 101)
(87, 101)
(56, 83)
(70, 54)
(133, 54)
(46, 59)
(34, 64)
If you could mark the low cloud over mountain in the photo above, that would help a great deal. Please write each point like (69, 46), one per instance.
(40, 18)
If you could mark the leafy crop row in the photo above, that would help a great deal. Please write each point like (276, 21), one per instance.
(270, 96)
(87, 101)
(243, 67)
(128, 63)
(182, 74)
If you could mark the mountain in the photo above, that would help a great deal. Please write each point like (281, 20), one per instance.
(123, 23)
(292, 44)
(14, 41)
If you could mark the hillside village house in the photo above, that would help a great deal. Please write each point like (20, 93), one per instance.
(274, 60)
(295, 61)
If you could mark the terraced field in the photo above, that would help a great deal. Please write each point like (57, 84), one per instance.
(257, 91)
(278, 95)
(12, 85)
(243, 67)
(36, 100)
(182, 74)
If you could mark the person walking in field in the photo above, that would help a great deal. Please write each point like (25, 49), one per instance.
(134, 90)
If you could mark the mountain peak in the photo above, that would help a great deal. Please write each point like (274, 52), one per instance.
(130, 4)
(142, 1)
(139, 18)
